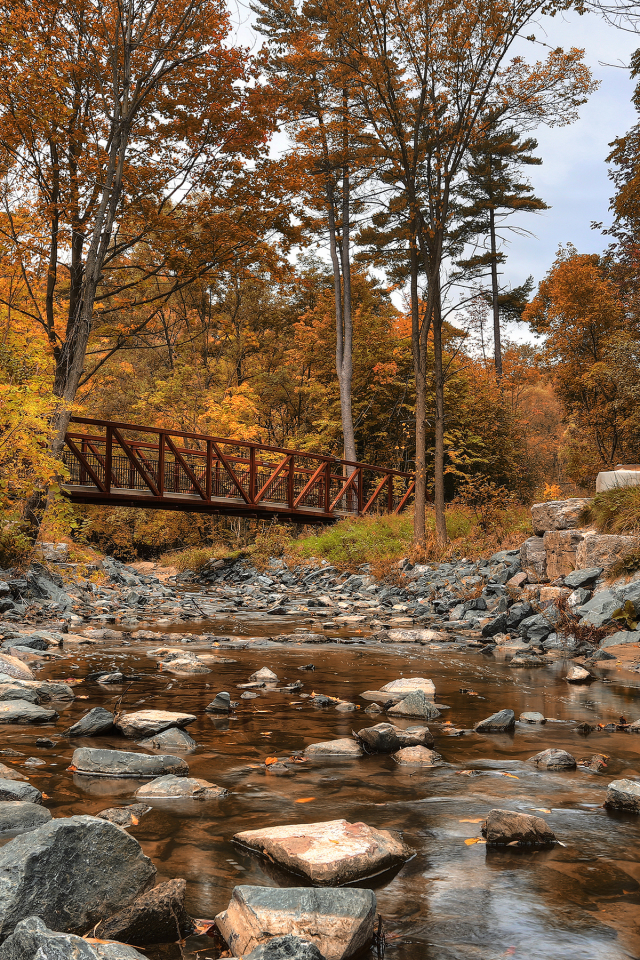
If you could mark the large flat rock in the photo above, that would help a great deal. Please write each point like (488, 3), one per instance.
(343, 747)
(339, 922)
(558, 514)
(22, 711)
(329, 853)
(406, 685)
(12, 667)
(120, 763)
(146, 723)
(70, 872)
(180, 788)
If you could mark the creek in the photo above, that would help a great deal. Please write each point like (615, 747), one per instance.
(455, 900)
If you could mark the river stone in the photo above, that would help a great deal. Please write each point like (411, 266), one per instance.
(146, 723)
(414, 736)
(158, 916)
(171, 739)
(623, 795)
(417, 756)
(415, 705)
(344, 747)
(32, 939)
(380, 739)
(128, 816)
(264, 675)
(118, 763)
(407, 685)
(185, 665)
(18, 816)
(554, 760)
(339, 922)
(10, 773)
(330, 853)
(180, 788)
(95, 722)
(46, 689)
(70, 873)
(16, 790)
(21, 711)
(286, 948)
(12, 667)
(577, 674)
(221, 703)
(414, 636)
(24, 640)
(14, 692)
(501, 722)
(531, 716)
(505, 826)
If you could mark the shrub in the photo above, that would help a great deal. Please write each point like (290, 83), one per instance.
(614, 511)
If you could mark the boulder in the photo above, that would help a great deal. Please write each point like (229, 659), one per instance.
(553, 759)
(45, 689)
(119, 763)
(414, 736)
(31, 939)
(330, 853)
(603, 549)
(14, 692)
(502, 722)
(17, 790)
(535, 629)
(407, 685)
(21, 711)
(415, 705)
(340, 923)
(128, 816)
(184, 664)
(417, 757)
(264, 675)
(623, 795)
(14, 668)
(558, 514)
(380, 739)
(158, 916)
(582, 578)
(221, 703)
(10, 773)
(18, 816)
(94, 723)
(531, 716)
(172, 739)
(577, 674)
(179, 788)
(146, 723)
(344, 747)
(70, 873)
(533, 556)
(561, 548)
(286, 948)
(621, 637)
(506, 826)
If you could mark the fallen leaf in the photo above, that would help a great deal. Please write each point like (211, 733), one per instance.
(305, 800)
(270, 760)
(267, 734)
(134, 820)
(511, 775)
(473, 840)
(45, 796)
(541, 809)
(476, 820)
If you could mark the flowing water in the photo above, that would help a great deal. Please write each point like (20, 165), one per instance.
(578, 901)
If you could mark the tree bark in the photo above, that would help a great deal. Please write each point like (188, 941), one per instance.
(419, 368)
(497, 345)
(438, 465)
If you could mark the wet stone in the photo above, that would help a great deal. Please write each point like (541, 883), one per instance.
(531, 716)
(21, 711)
(10, 773)
(158, 916)
(335, 749)
(623, 795)
(180, 788)
(19, 816)
(577, 674)
(147, 723)
(415, 705)
(171, 739)
(264, 675)
(417, 757)
(380, 739)
(221, 703)
(93, 723)
(286, 948)
(14, 692)
(32, 939)
(554, 760)
(502, 722)
(508, 827)
(17, 790)
(128, 816)
(119, 763)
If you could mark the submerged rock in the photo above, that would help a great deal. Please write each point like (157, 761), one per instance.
(339, 922)
(417, 756)
(329, 853)
(128, 816)
(158, 916)
(286, 948)
(91, 868)
(32, 939)
(180, 788)
(623, 795)
(343, 747)
(554, 760)
(501, 722)
(507, 826)
(171, 739)
(94, 762)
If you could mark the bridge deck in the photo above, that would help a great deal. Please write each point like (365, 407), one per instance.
(120, 464)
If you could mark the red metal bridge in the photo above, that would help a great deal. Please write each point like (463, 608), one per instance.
(121, 464)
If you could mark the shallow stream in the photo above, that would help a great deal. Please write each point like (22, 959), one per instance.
(454, 899)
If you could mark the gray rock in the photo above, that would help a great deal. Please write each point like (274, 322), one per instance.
(417, 757)
(119, 763)
(582, 578)
(21, 711)
(517, 613)
(31, 939)
(339, 922)
(380, 739)
(70, 872)
(558, 514)
(18, 790)
(94, 723)
(221, 703)
(623, 795)
(621, 637)
(533, 556)
(24, 640)
(501, 722)
(415, 736)
(14, 692)
(508, 827)
(494, 627)
(286, 948)
(342, 747)
(415, 705)
(553, 759)
(171, 787)
(532, 717)
(147, 723)
(598, 611)
(128, 816)
(18, 816)
(158, 916)
(536, 628)
(171, 739)
(13, 668)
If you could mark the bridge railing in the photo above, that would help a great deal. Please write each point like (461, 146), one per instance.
(117, 462)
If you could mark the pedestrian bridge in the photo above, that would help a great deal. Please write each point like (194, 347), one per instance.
(123, 464)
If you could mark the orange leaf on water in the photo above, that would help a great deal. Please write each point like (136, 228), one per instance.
(511, 775)
(476, 820)
(270, 760)
(473, 840)
(305, 799)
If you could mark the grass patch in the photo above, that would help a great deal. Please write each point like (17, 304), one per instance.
(195, 558)
(614, 511)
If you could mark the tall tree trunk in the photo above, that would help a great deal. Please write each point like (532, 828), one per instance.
(438, 464)
(418, 345)
(494, 295)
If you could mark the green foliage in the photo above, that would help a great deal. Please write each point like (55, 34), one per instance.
(193, 558)
(614, 511)
(350, 543)
(15, 546)
(626, 615)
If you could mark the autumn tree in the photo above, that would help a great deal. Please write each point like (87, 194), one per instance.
(123, 134)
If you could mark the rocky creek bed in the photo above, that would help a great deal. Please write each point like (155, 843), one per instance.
(304, 655)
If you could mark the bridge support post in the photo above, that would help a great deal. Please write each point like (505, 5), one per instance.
(108, 459)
